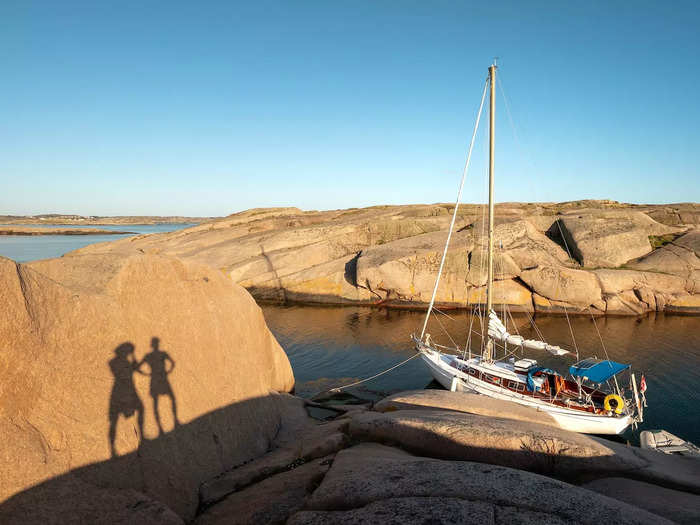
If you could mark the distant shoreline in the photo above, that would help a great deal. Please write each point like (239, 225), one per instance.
(60, 231)
(78, 220)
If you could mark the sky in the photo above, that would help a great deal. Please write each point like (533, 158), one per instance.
(208, 108)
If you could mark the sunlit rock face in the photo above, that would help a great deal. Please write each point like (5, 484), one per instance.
(136, 372)
(547, 256)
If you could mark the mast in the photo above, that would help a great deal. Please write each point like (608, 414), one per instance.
(454, 214)
(488, 350)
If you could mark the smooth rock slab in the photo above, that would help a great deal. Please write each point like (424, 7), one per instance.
(681, 507)
(617, 281)
(519, 444)
(462, 402)
(368, 479)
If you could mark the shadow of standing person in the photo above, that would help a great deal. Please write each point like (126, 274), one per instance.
(124, 400)
(157, 360)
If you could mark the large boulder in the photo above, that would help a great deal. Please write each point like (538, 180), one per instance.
(406, 269)
(610, 238)
(680, 257)
(130, 371)
(576, 287)
(324, 283)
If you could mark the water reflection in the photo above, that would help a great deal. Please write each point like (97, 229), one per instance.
(327, 344)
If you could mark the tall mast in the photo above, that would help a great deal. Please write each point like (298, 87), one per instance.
(488, 351)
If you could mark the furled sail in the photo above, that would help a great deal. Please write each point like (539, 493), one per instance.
(498, 331)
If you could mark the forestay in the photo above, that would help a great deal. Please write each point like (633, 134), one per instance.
(498, 332)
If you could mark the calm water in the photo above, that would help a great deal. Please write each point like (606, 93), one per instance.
(24, 248)
(330, 346)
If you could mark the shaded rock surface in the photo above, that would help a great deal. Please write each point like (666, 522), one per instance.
(77, 501)
(497, 440)
(311, 442)
(521, 444)
(391, 254)
(680, 507)
(371, 483)
(409, 510)
(272, 500)
(130, 371)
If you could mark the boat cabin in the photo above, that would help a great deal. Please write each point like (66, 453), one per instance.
(525, 377)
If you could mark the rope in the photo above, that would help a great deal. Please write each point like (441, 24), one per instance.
(604, 349)
(571, 331)
(338, 389)
(454, 215)
(468, 344)
(443, 313)
(446, 332)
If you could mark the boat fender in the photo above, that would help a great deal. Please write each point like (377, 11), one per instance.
(618, 403)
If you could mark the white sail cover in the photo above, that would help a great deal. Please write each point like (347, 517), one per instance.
(498, 331)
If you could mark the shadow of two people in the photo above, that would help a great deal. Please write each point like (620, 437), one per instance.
(124, 400)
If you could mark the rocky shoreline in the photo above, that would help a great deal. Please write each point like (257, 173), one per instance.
(143, 388)
(588, 257)
(451, 458)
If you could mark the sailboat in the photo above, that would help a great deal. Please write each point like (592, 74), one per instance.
(590, 399)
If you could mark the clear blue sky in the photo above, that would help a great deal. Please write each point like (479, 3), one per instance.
(206, 108)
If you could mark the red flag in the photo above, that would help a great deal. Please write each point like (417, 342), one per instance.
(643, 385)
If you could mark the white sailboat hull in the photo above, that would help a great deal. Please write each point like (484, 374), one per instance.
(568, 419)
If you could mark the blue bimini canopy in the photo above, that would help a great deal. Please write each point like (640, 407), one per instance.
(596, 370)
